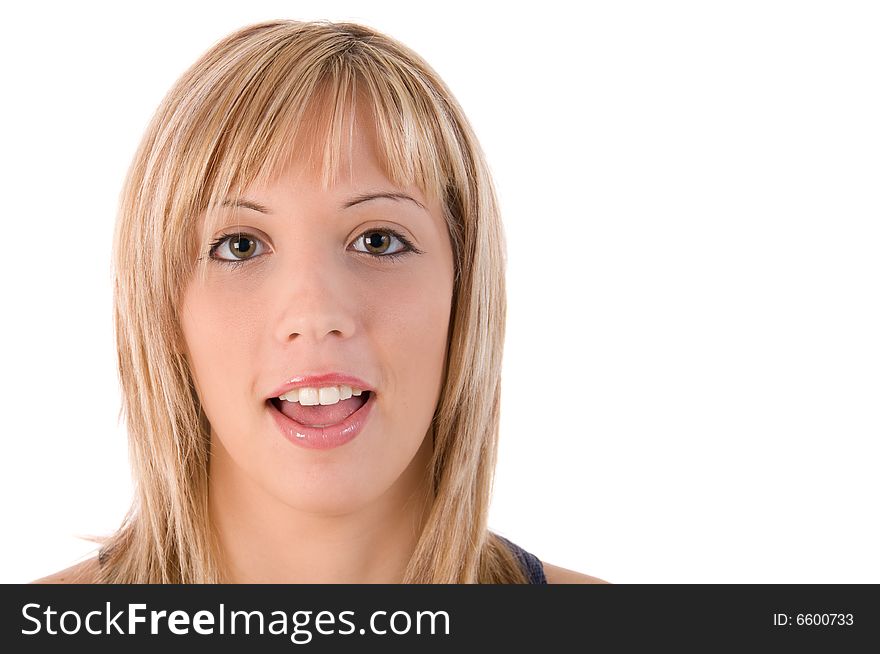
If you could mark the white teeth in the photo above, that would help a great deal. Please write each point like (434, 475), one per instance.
(310, 396)
(328, 395)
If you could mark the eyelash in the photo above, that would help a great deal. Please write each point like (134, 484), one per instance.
(392, 258)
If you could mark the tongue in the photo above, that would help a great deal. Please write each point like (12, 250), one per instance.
(322, 415)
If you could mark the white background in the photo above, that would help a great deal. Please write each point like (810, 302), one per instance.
(690, 195)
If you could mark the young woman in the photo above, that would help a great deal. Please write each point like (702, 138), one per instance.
(309, 310)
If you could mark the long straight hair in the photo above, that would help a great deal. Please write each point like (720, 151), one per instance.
(265, 93)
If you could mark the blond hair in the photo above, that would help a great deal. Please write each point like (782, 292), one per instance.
(228, 122)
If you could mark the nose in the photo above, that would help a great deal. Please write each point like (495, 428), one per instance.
(316, 301)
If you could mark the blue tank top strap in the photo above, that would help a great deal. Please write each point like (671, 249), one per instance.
(531, 564)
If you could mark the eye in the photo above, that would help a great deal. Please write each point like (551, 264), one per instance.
(241, 245)
(378, 241)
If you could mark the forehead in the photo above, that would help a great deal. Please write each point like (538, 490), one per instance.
(311, 163)
(341, 161)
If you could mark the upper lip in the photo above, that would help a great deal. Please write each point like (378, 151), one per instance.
(324, 379)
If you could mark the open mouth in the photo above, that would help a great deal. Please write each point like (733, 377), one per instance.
(323, 427)
(321, 415)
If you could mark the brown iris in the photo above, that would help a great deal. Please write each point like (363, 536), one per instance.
(236, 243)
(374, 240)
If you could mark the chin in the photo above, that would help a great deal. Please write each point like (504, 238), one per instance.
(329, 494)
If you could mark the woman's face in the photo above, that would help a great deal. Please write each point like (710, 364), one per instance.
(312, 294)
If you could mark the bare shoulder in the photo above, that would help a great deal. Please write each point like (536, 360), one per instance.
(84, 572)
(557, 575)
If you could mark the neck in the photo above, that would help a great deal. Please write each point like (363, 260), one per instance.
(264, 540)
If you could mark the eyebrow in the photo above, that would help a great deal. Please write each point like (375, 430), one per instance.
(245, 204)
(366, 197)
(358, 199)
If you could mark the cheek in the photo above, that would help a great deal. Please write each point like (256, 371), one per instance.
(413, 321)
(219, 333)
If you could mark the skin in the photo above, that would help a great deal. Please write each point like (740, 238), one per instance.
(307, 302)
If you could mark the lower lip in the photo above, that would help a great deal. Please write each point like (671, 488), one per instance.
(323, 438)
